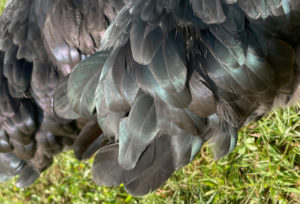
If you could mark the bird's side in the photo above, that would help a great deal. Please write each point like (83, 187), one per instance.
(162, 79)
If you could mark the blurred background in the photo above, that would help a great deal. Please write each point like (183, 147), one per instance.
(263, 168)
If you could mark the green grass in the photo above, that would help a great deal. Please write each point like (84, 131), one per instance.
(2, 4)
(264, 168)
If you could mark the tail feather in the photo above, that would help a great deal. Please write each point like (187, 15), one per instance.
(10, 166)
(89, 140)
(157, 163)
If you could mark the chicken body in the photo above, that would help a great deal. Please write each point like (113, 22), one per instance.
(143, 82)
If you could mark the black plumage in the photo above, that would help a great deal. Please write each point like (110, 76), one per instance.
(144, 83)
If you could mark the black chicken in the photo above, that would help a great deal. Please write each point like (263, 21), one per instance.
(144, 83)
